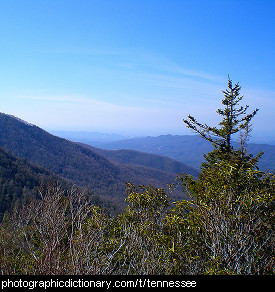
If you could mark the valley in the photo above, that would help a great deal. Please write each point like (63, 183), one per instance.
(188, 149)
(103, 173)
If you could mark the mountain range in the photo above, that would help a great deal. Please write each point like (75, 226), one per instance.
(101, 172)
(29, 154)
(188, 149)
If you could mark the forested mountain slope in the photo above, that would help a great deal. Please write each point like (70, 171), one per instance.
(134, 157)
(69, 160)
(18, 179)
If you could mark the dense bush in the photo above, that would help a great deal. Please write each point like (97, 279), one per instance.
(226, 227)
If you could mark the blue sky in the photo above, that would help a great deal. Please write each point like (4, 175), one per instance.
(135, 67)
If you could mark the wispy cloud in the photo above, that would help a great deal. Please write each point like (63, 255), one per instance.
(135, 60)
(130, 90)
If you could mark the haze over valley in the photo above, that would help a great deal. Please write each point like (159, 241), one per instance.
(188, 149)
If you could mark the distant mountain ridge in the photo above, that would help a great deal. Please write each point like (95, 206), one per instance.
(88, 137)
(186, 148)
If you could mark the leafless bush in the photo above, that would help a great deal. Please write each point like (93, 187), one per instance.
(58, 234)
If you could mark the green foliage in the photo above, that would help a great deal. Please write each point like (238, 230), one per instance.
(230, 208)
(147, 202)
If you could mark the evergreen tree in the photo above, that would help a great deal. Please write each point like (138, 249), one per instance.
(229, 216)
(235, 120)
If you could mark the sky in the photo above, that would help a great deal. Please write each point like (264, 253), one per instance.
(135, 67)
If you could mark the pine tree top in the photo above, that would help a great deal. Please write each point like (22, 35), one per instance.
(234, 120)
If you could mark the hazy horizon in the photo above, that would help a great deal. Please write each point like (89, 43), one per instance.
(115, 136)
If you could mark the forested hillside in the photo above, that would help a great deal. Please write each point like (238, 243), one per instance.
(80, 165)
(132, 157)
(18, 180)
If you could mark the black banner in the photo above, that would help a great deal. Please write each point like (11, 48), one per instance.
(109, 283)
